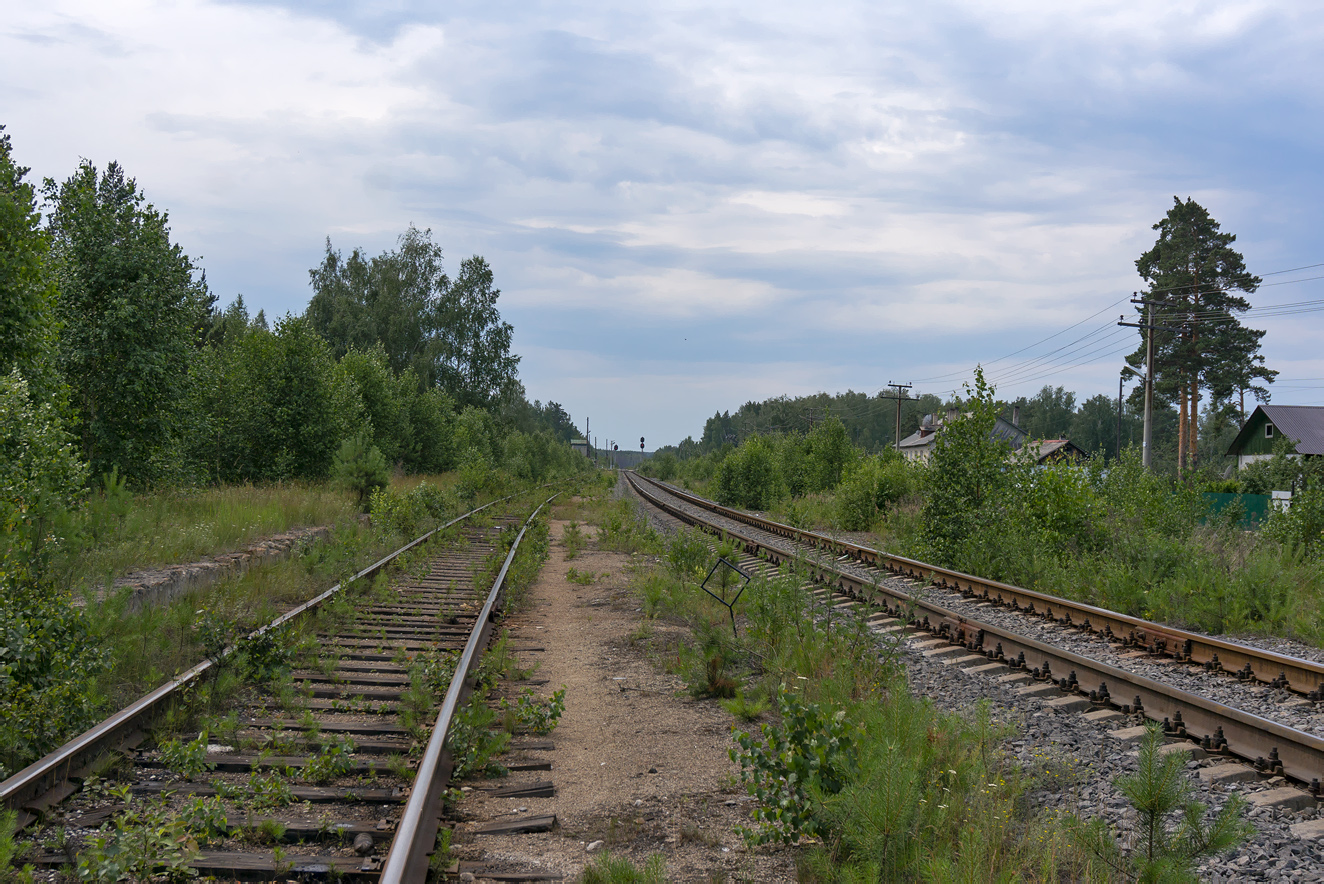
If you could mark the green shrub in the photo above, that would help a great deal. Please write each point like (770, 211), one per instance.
(394, 513)
(1160, 790)
(335, 760)
(360, 467)
(146, 841)
(535, 714)
(437, 504)
(870, 488)
(750, 476)
(186, 759)
(809, 751)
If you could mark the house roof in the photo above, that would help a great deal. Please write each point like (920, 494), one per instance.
(1304, 423)
(919, 438)
(1003, 429)
(1046, 448)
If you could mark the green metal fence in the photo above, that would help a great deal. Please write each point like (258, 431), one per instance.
(1254, 507)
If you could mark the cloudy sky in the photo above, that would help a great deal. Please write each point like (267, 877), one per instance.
(690, 205)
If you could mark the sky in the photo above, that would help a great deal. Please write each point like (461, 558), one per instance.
(692, 205)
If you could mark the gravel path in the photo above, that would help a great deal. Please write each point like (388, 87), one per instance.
(1082, 758)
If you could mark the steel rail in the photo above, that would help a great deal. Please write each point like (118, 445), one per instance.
(1272, 747)
(415, 836)
(1303, 676)
(54, 770)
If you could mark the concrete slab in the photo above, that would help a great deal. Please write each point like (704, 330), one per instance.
(1069, 704)
(890, 630)
(1227, 774)
(944, 652)
(1195, 752)
(1310, 830)
(1016, 678)
(1286, 798)
(883, 620)
(924, 644)
(965, 660)
(1103, 715)
(1128, 735)
(989, 669)
(1046, 689)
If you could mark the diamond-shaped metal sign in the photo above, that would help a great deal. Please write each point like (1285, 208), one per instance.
(725, 589)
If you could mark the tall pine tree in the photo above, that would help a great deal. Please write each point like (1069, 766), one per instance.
(1193, 273)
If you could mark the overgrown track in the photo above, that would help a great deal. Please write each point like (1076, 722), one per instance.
(321, 777)
(1072, 680)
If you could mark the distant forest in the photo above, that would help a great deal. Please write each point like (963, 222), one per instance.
(1052, 413)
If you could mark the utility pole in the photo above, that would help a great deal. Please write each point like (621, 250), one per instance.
(1119, 413)
(1150, 328)
(896, 443)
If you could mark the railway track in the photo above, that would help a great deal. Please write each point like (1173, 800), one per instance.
(321, 775)
(890, 592)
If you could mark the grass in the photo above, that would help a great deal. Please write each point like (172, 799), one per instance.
(118, 532)
(608, 869)
(151, 644)
(939, 795)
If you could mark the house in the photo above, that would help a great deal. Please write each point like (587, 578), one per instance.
(1303, 424)
(580, 445)
(919, 444)
(1055, 450)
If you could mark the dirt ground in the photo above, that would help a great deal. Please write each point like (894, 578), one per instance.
(638, 764)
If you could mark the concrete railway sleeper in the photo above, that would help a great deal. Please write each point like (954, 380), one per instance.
(1068, 680)
(324, 777)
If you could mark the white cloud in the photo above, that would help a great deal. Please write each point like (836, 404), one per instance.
(958, 175)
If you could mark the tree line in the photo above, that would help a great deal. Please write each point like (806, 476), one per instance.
(117, 359)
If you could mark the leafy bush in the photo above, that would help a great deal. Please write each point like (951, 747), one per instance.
(871, 487)
(265, 655)
(41, 476)
(750, 477)
(146, 841)
(472, 742)
(395, 513)
(1301, 526)
(536, 714)
(810, 750)
(186, 759)
(50, 657)
(429, 499)
(333, 761)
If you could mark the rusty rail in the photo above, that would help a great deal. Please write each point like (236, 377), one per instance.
(1303, 676)
(48, 779)
(415, 837)
(1272, 747)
